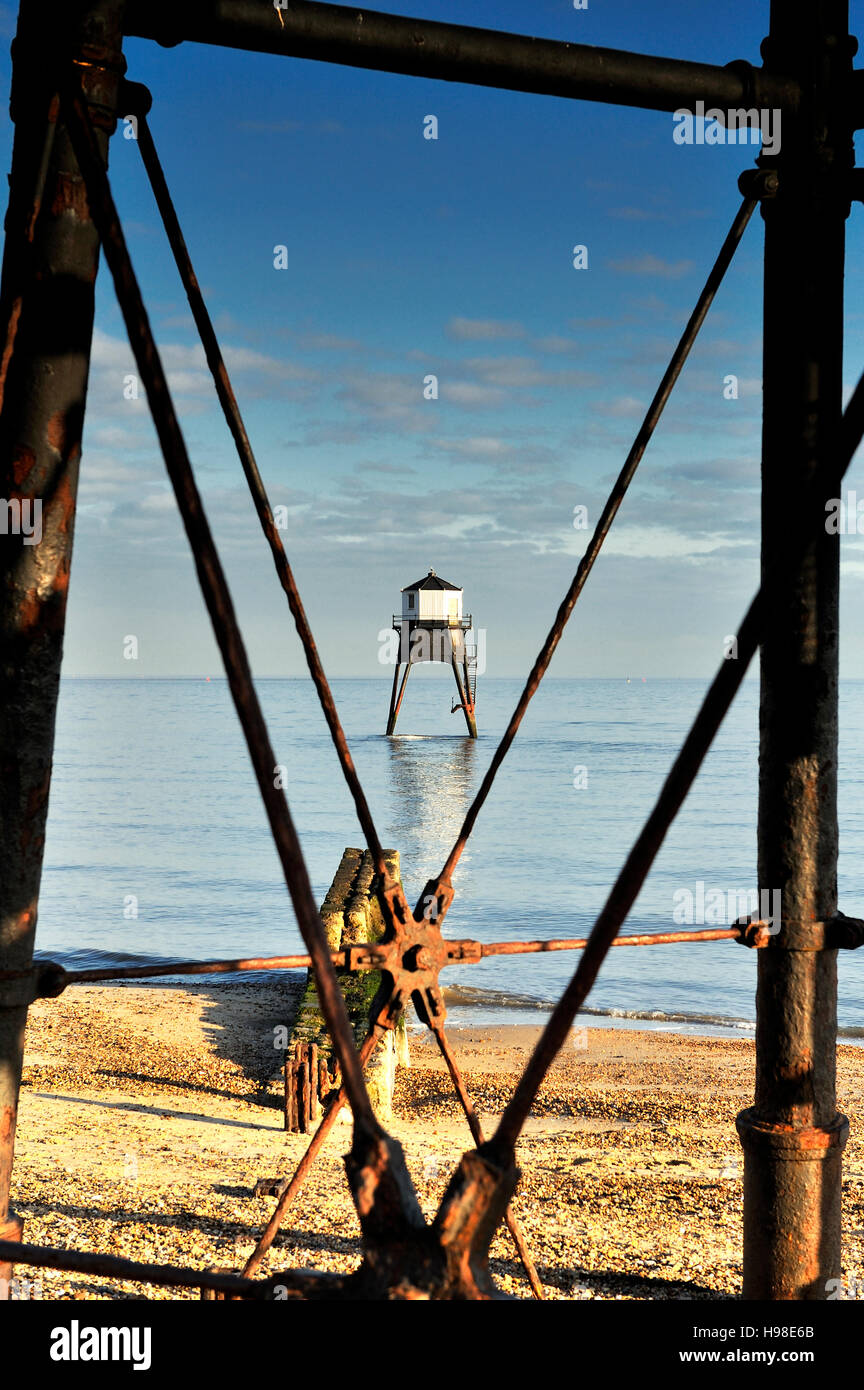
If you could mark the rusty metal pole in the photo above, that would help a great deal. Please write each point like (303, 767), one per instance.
(46, 318)
(792, 1136)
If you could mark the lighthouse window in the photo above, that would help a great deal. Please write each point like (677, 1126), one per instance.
(410, 600)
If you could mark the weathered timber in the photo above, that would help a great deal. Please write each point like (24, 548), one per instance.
(351, 914)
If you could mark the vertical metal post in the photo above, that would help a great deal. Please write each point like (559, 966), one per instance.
(46, 319)
(792, 1136)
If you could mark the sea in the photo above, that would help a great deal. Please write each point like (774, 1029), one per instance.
(158, 848)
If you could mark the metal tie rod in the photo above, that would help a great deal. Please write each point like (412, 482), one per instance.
(217, 597)
(138, 100)
(607, 516)
(459, 53)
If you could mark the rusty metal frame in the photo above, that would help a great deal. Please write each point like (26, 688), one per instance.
(793, 1138)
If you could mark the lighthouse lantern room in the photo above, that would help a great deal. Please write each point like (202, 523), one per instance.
(432, 627)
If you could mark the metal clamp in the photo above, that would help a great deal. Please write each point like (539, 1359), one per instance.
(759, 183)
(793, 934)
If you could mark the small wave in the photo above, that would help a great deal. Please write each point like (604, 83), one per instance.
(464, 995)
(91, 959)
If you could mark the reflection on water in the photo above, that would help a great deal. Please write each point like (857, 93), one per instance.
(432, 781)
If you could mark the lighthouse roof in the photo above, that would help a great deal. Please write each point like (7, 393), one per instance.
(431, 581)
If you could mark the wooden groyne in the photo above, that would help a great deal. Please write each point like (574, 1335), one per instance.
(351, 914)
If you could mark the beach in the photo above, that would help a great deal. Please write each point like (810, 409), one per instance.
(148, 1115)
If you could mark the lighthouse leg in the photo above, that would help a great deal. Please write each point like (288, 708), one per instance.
(396, 704)
(465, 701)
(391, 717)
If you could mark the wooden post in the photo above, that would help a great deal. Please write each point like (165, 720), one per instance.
(314, 1106)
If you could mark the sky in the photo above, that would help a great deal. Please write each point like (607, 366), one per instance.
(405, 258)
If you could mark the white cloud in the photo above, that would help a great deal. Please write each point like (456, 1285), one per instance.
(649, 264)
(477, 446)
(486, 330)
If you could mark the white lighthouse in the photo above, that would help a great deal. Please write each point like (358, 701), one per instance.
(432, 627)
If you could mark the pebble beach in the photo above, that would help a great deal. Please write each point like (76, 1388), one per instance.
(148, 1115)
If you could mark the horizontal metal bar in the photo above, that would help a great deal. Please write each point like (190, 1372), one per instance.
(115, 1267)
(665, 938)
(51, 979)
(458, 53)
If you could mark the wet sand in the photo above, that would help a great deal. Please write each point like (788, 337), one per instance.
(148, 1114)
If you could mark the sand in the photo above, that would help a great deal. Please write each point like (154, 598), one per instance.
(148, 1114)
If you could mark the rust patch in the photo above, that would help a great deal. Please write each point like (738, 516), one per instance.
(11, 333)
(22, 927)
(62, 514)
(56, 432)
(38, 796)
(70, 195)
(22, 465)
(29, 610)
(7, 1124)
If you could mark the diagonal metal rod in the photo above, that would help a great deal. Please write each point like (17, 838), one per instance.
(680, 779)
(607, 516)
(234, 419)
(306, 1162)
(477, 1134)
(217, 596)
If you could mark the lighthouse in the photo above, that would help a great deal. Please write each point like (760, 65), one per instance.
(432, 627)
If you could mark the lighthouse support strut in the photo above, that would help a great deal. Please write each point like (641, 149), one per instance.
(465, 699)
(396, 704)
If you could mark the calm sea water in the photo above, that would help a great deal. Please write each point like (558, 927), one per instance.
(153, 799)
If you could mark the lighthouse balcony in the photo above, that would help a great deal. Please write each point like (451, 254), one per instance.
(465, 623)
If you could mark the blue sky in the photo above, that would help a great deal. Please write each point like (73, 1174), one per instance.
(407, 257)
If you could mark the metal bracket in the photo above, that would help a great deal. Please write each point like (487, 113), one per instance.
(837, 933)
(759, 183)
